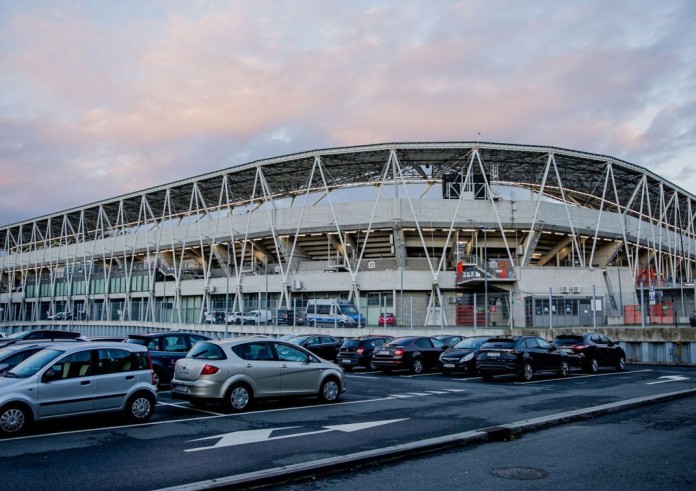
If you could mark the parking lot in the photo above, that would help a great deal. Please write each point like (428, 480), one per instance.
(182, 444)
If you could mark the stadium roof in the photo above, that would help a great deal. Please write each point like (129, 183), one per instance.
(583, 178)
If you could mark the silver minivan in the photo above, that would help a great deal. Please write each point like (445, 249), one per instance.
(70, 379)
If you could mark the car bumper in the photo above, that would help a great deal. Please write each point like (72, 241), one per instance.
(196, 390)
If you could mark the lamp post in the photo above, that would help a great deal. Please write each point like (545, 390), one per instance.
(227, 290)
(485, 270)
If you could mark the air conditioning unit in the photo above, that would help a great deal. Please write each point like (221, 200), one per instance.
(371, 264)
(576, 289)
(564, 289)
(296, 285)
(451, 299)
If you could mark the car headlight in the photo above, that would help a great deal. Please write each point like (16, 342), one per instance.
(468, 357)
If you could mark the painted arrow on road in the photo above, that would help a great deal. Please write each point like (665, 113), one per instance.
(669, 378)
(264, 435)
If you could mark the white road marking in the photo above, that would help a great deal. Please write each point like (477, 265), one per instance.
(669, 378)
(575, 377)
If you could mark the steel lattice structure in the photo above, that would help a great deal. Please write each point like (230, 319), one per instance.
(433, 210)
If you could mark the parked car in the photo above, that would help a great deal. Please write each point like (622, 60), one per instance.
(386, 319)
(321, 345)
(449, 339)
(14, 354)
(237, 371)
(357, 352)
(41, 334)
(522, 356)
(215, 317)
(165, 348)
(462, 356)
(235, 317)
(590, 351)
(74, 379)
(257, 317)
(58, 316)
(416, 353)
(290, 317)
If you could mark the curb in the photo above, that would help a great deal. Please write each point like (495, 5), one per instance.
(504, 432)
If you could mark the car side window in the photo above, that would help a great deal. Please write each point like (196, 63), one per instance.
(289, 353)
(174, 344)
(74, 365)
(424, 343)
(543, 344)
(112, 360)
(153, 345)
(531, 343)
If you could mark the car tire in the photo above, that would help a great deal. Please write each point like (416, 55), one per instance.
(157, 378)
(621, 364)
(330, 390)
(347, 368)
(486, 376)
(140, 407)
(417, 366)
(527, 372)
(592, 366)
(14, 420)
(371, 366)
(238, 398)
(564, 369)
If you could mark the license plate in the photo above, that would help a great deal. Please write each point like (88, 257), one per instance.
(383, 353)
(567, 350)
(448, 365)
(493, 354)
(346, 360)
(181, 388)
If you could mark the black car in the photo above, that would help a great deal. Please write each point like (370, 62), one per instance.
(590, 351)
(165, 348)
(462, 356)
(522, 356)
(358, 352)
(289, 317)
(323, 346)
(415, 353)
(41, 335)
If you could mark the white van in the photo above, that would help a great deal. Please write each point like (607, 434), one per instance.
(257, 317)
(333, 312)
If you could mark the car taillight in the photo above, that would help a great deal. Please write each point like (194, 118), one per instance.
(209, 370)
(579, 347)
(360, 350)
(399, 352)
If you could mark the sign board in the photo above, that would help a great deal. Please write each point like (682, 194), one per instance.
(651, 293)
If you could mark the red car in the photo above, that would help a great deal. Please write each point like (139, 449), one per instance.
(387, 319)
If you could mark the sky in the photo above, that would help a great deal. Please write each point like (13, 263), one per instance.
(103, 98)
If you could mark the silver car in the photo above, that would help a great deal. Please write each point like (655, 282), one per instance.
(237, 371)
(68, 379)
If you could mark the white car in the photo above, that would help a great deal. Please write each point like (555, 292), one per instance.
(69, 379)
(257, 317)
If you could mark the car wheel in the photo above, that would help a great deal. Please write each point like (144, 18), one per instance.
(239, 397)
(14, 420)
(527, 372)
(329, 390)
(564, 369)
(347, 368)
(486, 376)
(157, 379)
(372, 366)
(417, 366)
(592, 366)
(621, 364)
(140, 406)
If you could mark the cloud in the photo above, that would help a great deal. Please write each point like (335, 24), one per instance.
(102, 103)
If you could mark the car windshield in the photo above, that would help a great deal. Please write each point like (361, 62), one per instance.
(470, 343)
(567, 340)
(206, 351)
(348, 309)
(34, 363)
(140, 341)
(19, 335)
(498, 343)
(351, 343)
(298, 339)
(400, 342)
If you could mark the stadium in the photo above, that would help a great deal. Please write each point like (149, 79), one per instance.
(468, 234)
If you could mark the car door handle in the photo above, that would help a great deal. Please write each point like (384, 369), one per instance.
(130, 377)
(85, 382)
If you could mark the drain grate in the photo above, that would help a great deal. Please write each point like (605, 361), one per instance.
(520, 473)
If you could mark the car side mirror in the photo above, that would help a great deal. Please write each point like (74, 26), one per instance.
(53, 373)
